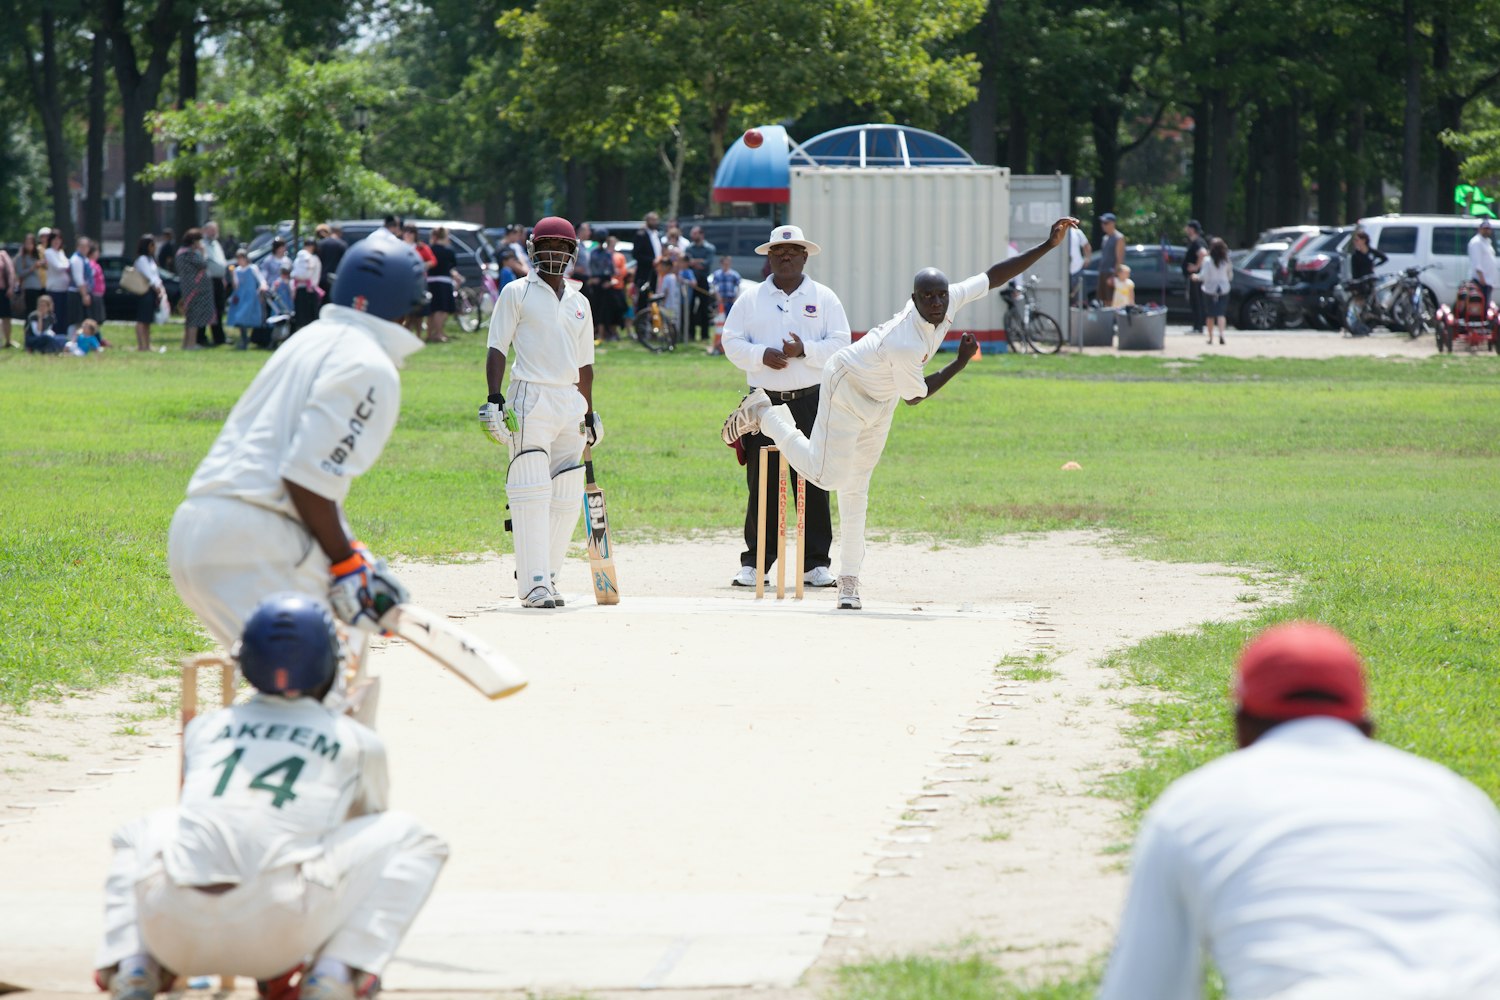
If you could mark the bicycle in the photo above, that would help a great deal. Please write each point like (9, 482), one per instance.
(470, 302)
(654, 329)
(1025, 323)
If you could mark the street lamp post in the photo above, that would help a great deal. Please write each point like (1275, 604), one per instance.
(361, 125)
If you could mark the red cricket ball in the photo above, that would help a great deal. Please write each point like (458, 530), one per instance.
(753, 138)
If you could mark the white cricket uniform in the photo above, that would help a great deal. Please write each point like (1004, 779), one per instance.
(546, 339)
(1315, 864)
(861, 386)
(763, 316)
(282, 813)
(318, 414)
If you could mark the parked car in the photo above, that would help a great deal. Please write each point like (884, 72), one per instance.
(1254, 302)
(1261, 259)
(1309, 276)
(1287, 234)
(120, 304)
(1419, 240)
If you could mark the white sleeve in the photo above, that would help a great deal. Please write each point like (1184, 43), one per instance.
(966, 291)
(348, 417)
(315, 269)
(507, 316)
(1158, 951)
(741, 351)
(836, 334)
(583, 341)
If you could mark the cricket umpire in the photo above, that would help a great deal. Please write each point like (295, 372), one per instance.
(781, 333)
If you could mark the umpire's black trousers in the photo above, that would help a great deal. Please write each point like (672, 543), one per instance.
(804, 410)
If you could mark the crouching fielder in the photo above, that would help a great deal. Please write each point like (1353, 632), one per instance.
(545, 329)
(279, 851)
(860, 386)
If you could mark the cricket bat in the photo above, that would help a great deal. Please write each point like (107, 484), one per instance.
(601, 556)
(487, 671)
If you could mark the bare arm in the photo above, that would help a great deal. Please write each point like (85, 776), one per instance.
(324, 519)
(1002, 272)
(967, 348)
(494, 371)
(586, 386)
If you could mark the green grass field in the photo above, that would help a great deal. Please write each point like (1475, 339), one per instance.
(1369, 483)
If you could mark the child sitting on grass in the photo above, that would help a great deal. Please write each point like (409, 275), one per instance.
(88, 340)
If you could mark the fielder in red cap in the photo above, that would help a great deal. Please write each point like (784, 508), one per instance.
(1313, 863)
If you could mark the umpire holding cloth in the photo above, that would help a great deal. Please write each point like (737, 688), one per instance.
(781, 333)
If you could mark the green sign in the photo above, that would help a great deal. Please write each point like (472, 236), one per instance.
(1471, 200)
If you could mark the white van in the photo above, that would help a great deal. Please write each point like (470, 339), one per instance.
(1415, 240)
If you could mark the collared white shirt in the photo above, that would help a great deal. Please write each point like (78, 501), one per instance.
(763, 316)
(319, 413)
(307, 267)
(213, 252)
(545, 339)
(1314, 863)
(1482, 260)
(887, 362)
(230, 830)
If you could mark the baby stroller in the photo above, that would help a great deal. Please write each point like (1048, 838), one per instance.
(1470, 321)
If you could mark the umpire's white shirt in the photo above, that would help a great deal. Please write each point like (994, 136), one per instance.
(887, 362)
(545, 339)
(1315, 863)
(319, 413)
(762, 318)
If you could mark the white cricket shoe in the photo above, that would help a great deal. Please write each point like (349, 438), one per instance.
(557, 595)
(746, 417)
(819, 576)
(137, 983)
(849, 593)
(540, 597)
(744, 578)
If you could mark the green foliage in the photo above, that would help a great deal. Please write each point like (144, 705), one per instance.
(1478, 143)
(286, 151)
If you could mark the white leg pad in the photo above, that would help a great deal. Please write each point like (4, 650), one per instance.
(567, 502)
(528, 487)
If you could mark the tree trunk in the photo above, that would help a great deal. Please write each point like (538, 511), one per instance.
(1411, 147)
(1018, 138)
(674, 164)
(985, 110)
(1450, 109)
(1201, 134)
(1288, 207)
(1328, 167)
(44, 88)
(1356, 169)
(717, 126)
(576, 195)
(611, 191)
(186, 186)
(93, 204)
(139, 91)
(1106, 127)
(1221, 125)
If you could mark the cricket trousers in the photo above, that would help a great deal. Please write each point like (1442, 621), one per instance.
(226, 556)
(839, 453)
(353, 901)
(545, 479)
(803, 410)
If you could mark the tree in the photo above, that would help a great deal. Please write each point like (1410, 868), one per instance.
(289, 152)
(599, 75)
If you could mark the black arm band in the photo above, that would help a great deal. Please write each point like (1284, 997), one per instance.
(497, 398)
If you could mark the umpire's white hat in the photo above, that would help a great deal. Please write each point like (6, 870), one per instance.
(789, 234)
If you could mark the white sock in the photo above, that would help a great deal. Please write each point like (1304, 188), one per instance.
(331, 968)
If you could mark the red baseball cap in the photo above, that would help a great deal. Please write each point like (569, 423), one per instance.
(1299, 669)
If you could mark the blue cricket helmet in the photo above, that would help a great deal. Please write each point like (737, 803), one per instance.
(289, 644)
(381, 275)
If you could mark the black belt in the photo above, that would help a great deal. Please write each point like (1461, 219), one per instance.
(787, 397)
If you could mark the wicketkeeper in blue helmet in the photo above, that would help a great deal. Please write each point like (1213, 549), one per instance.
(279, 862)
(265, 510)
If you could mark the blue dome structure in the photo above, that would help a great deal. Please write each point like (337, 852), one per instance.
(764, 174)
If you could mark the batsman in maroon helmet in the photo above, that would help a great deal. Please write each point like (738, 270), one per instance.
(543, 331)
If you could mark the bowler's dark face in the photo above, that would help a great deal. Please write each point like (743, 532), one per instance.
(929, 293)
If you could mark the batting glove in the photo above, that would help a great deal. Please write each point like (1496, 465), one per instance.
(363, 589)
(593, 428)
(497, 421)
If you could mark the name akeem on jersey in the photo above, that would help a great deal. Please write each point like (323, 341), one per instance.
(363, 411)
(318, 743)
